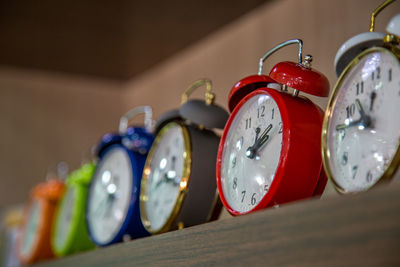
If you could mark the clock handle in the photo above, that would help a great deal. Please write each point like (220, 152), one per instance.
(209, 96)
(279, 46)
(148, 121)
(376, 12)
(57, 171)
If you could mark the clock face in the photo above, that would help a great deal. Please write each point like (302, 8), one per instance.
(110, 195)
(251, 152)
(64, 218)
(31, 228)
(363, 130)
(165, 175)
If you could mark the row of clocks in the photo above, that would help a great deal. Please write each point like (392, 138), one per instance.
(179, 172)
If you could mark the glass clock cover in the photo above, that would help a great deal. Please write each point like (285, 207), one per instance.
(248, 168)
(30, 231)
(113, 201)
(110, 195)
(166, 175)
(362, 134)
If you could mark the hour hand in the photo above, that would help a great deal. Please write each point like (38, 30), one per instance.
(363, 122)
(365, 118)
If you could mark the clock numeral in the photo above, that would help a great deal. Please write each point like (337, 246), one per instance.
(253, 199)
(354, 170)
(369, 176)
(261, 111)
(344, 158)
(378, 73)
(243, 195)
(350, 110)
(234, 186)
(248, 123)
(373, 76)
(359, 88)
(390, 75)
(234, 162)
(272, 113)
(280, 127)
(342, 134)
(266, 188)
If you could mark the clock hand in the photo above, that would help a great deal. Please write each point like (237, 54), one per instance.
(363, 122)
(372, 100)
(160, 181)
(109, 203)
(345, 125)
(98, 208)
(164, 178)
(252, 150)
(171, 175)
(264, 138)
(258, 130)
(365, 119)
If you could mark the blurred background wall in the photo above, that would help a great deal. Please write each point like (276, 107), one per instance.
(69, 70)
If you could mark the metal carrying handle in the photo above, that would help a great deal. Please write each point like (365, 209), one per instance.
(88, 155)
(59, 171)
(148, 114)
(279, 46)
(209, 96)
(377, 11)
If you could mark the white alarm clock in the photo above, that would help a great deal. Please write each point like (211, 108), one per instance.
(361, 131)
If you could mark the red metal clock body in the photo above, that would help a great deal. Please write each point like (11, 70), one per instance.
(298, 173)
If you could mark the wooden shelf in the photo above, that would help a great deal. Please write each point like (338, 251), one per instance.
(362, 229)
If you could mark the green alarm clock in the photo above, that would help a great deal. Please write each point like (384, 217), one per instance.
(70, 233)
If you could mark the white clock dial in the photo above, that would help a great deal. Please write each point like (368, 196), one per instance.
(64, 218)
(110, 195)
(31, 228)
(251, 152)
(363, 130)
(165, 175)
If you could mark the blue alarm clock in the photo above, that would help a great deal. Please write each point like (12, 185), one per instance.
(112, 211)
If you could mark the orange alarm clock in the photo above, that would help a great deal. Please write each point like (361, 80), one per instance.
(34, 241)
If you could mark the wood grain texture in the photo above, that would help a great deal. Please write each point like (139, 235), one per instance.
(359, 230)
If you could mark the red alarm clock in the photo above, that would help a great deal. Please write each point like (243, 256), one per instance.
(270, 151)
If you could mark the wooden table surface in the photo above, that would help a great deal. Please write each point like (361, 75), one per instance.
(361, 230)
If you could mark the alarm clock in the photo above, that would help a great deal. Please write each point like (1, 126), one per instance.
(269, 153)
(70, 233)
(178, 187)
(34, 241)
(360, 137)
(112, 210)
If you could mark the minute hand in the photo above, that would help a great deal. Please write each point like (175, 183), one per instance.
(263, 138)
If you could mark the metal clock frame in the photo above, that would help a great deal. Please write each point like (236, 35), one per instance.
(394, 164)
(183, 186)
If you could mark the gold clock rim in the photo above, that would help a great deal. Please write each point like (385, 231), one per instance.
(394, 164)
(187, 163)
